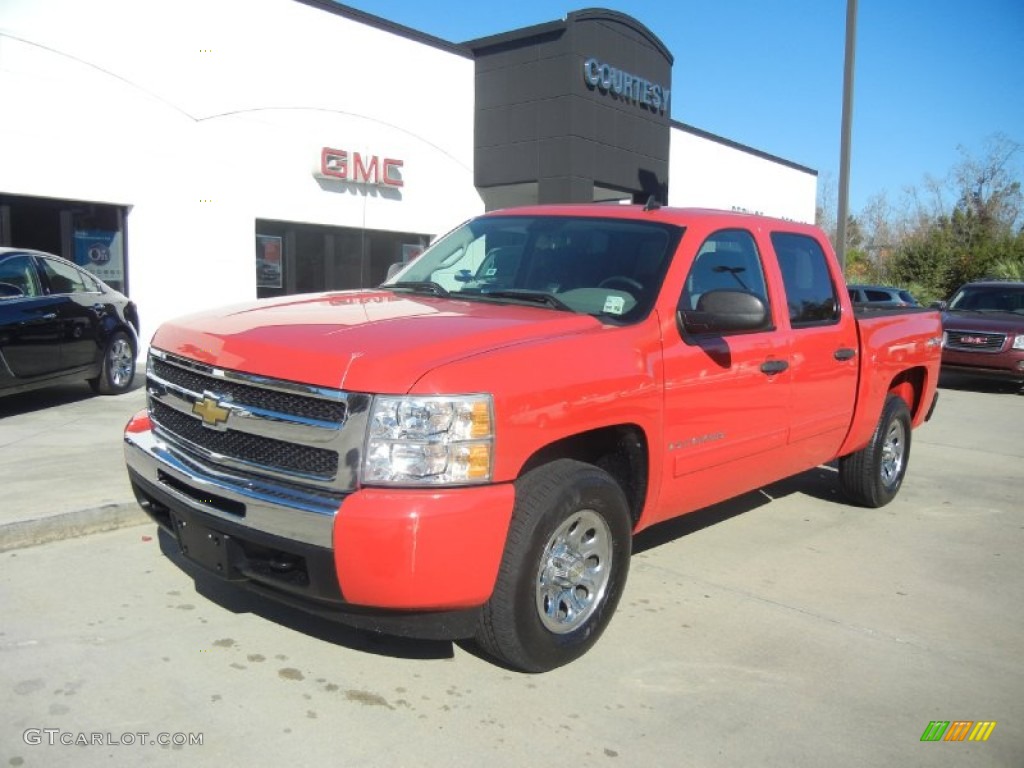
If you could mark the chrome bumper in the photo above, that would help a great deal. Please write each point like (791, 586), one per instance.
(271, 508)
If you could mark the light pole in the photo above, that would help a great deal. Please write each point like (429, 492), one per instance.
(844, 146)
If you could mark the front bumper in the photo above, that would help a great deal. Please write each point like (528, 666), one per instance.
(412, 562)
(1006, 364)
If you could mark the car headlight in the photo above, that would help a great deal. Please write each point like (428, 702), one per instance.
(1018, 342)
(429, 440)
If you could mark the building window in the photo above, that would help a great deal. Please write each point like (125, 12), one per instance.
(305, 258)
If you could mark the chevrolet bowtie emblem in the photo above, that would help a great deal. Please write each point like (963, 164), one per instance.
(211, 412)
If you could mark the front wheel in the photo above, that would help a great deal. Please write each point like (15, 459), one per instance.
(872, 476)
(565, 565)
(117, 371)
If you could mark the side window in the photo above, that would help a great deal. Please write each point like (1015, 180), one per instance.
(810, 294)
(18, 272)
(63, 278)
(727, 261)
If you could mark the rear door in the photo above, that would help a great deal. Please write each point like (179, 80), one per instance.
(80, 309)
(824, 348)
(30, 325)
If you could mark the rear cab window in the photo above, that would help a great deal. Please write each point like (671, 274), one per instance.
(810, 292)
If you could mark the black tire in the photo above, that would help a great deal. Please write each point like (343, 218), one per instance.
(564, 568)
(117, 371)
(872, 476)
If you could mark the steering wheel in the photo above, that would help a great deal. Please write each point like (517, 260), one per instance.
(621, 280)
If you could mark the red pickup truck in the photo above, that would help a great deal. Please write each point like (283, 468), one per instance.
(468, 450)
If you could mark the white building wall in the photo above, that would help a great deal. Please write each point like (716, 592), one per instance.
(705, 173)
(201, 116)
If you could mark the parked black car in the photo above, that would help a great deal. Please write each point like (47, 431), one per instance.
(881, 296)
(58, 323)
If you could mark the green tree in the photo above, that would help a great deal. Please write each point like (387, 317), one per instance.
(979, 237)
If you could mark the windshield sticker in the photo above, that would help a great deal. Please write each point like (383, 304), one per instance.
(614, 305)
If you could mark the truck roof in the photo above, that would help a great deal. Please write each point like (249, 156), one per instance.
(666, 214)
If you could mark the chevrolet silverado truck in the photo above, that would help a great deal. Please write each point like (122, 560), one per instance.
(468, 450)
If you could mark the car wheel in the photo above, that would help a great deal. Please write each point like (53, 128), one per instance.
(118, 368)
(565, 564)
(872, 476)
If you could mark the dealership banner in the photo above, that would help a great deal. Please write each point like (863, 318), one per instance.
(101, 253)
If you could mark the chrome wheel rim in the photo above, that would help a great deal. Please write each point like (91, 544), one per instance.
(122, 363)
(574, 572)
(894, 450)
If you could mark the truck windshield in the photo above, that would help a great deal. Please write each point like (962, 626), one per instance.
(609, 268)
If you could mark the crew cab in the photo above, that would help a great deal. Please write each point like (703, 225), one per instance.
(468, 450)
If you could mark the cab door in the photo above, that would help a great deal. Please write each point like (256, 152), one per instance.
(727, 396)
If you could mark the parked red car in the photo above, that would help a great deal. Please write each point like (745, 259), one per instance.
(983, 330)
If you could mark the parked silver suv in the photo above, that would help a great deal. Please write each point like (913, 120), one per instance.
(881, 296)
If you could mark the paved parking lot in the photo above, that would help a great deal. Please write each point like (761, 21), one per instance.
(781, 629)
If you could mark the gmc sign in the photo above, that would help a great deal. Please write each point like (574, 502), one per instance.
(355, 168)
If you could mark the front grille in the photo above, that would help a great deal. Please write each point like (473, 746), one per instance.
(278, 430)
(251, 449)
(253, 396)
(975, 341)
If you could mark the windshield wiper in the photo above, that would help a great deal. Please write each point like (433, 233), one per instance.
(540, 297)
(421, 286)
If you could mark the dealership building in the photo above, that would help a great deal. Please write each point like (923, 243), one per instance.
(202, 153)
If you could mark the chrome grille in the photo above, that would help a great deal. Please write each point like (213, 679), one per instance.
(251, 449)
(975, 341)
(254, 425)
(269, 399)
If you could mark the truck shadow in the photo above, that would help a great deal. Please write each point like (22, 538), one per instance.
(819, 483)
(237, 600)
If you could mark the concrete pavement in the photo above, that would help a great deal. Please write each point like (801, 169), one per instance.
(62, 464)
(783, 629)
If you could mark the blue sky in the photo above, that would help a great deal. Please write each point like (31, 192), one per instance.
(931, 75)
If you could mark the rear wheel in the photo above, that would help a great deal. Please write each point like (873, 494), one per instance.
(872, 476)
(118, 368)
(565, 564)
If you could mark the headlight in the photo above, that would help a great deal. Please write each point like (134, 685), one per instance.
(429, 440)
(1018, 343)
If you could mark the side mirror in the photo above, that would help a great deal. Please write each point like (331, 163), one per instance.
(9, 291)
(939, 305)
(724, 312)
(394, 269)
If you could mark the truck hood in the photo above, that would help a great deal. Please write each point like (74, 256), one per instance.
(363, 341)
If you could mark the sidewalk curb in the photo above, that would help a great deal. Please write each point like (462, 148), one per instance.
(43, 530)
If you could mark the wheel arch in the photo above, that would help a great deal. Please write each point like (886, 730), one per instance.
(621, 450)
(910, 386)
